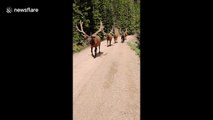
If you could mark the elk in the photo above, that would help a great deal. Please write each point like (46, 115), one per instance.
(94, 39)
(123, 35)
(115, 36)
(109, 37)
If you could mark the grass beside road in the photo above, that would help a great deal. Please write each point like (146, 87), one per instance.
(78, 48)
(134, 46)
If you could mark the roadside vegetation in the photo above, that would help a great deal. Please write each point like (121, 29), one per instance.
(113, 13)
(134, 46)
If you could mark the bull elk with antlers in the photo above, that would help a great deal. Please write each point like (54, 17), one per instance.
(94, 39)
(115, 36)
(123, 35)
(109, 37)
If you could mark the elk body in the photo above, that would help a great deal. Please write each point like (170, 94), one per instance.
(109, 37)
(123, 35)
(115, 37)
(94, 40)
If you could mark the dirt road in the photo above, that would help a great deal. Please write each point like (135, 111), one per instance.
(107, 87)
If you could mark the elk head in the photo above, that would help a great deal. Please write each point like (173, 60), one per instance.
(120, 31)
(86, 36)
(111, 31)
(123, 32)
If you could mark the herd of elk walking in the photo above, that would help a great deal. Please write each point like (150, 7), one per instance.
(95, 40)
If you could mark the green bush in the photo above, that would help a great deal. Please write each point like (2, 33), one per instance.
(134, 47)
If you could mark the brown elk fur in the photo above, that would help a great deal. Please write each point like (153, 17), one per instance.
(94, 43)
(115, 38)
(123, 37)
(109, 38)
(115, 34)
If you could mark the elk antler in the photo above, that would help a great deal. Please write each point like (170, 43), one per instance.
(120, 31)
(111, 31)
(100, 29)
(81, 31)
(113, 28)
(103, 32)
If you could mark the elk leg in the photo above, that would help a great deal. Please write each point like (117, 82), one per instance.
(91, 51)
(95, 51)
